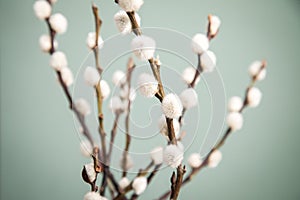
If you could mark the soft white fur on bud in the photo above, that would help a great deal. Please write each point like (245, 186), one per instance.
(208, 61)
(139, 184)
(130, 5)
(91, 76)
(235, 104)
(255, 71)
(124, 182)
(124, 93)
(123, 23)
(90, 171)
(157, 155)
(173, 155)
(215, 23)
(214, 159)
(118, 78)
(171, 106)
(116, 104)
(93, 196)
(188, 75)
(91, 40)
(86, 148)
(129, 163)
(195, 160)
(254, 96)
(45, 43)
(58, 60)
(163, 127)
(147, 85)
(58, 23)
(189, 98)
(83, 106)
(200, 43)
(235, 120)
(42, 9)
(67, 76)
(105, 90)
(143, 47)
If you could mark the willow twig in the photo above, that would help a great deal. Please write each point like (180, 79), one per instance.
(98, 23)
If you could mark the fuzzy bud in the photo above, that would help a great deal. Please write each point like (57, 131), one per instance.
(123, 23)
(124, 182)
(116, 104)
(195, 160)
(105, 90)
(256, 72)
(129, 162)
(93, 196)
(254, 96)
(119, 78)
(214, 24)
(157, 155)
(208, 61)
(235, 104)
(200, 43)
(189, 98)
(214, 159)
(188, 75)
(67, 76)
(45, 43)
(58, 23)
(139, 184)
(86, 148)
(124, 93)
(130, 5)
(163, 127)
(42, 9)
(147, 85)
(83, 106)
(173, 155)
(91, 40)
(171, 106)
(235, 120)
(90, 172)
(91, 76)
(143, 47)
(58, 60)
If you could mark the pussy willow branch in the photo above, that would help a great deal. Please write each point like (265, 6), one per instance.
(221, 141)
(176, 182)
(98, 23)
(130, 68)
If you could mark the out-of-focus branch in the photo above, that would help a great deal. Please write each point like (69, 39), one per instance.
(98, 23)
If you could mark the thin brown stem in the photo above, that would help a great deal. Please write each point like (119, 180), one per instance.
(98, 23)
(176, 184)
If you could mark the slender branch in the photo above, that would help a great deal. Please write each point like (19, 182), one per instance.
(98, 23)
(113, 135)
(176, 182)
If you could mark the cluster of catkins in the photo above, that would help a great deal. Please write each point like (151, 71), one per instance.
(172, 105)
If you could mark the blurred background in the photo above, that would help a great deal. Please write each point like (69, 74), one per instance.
(40, 157)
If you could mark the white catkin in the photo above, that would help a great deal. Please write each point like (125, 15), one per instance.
(124, 93)
(235, 104)
(254, 96)
(130, 5)
(235, 120)
(208, 61)
(255, 71)
(116, 104)
(215, 23)
(189, 98)
(163, 127)
(171, 106)
(105, 90)
(58, 23)
(147, 85)
(83, 106)
(67, 76)
(214, 159)
(139, 184)
(119, 78)
(129, 163)
(91, 40)
(45, 43)
(195, 160)
(188, 75)
(123, 23)
(90, 171)
(124, 182)
(173, 155)
(200, 43)
(91, 76)
(143, 47)
(86, 148)
(93, 196)
(157, 155)
(42, 9)
(58, 60)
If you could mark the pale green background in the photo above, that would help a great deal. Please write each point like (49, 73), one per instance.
(39, 148)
